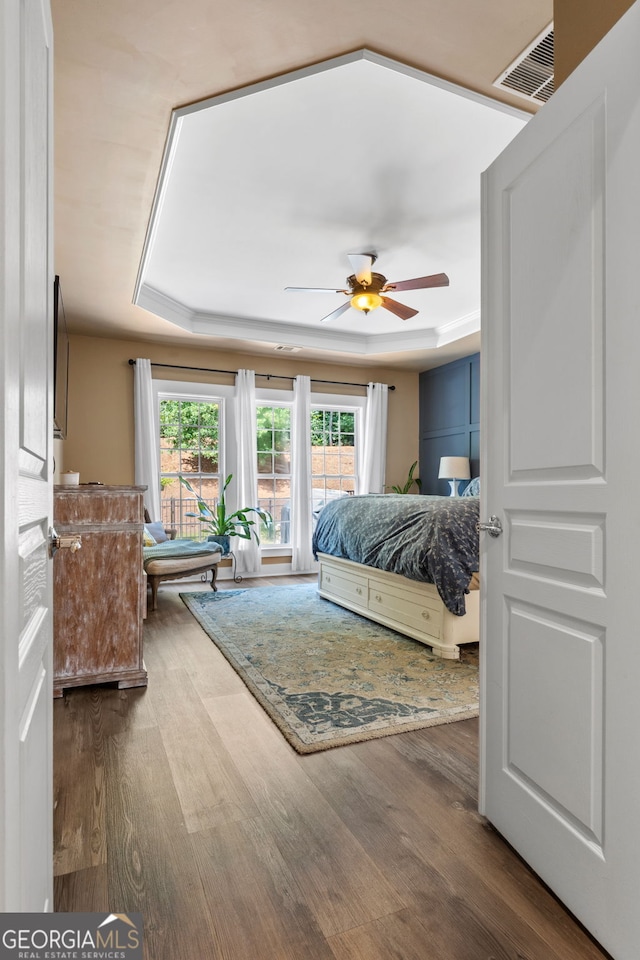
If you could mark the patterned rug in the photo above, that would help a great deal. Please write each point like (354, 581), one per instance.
(328, 677)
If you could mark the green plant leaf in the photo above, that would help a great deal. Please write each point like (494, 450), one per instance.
(409, 481)
(228, 525)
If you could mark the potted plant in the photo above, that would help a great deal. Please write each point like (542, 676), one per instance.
(409, 481)
(219, 525)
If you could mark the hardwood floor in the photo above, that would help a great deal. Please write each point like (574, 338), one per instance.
(183, 802)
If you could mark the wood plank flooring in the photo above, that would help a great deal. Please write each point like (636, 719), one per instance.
(183, 802)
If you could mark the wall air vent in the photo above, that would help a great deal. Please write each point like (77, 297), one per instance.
(283, 348)
(531, 74)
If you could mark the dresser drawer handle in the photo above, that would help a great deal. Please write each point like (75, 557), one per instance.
(328, 579)
(426, 615)
(378, 598)
(359, 590)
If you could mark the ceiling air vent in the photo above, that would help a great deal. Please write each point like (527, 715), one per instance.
(283, 348)
(531, 74)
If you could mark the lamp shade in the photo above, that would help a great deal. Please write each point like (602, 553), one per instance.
(454, 468)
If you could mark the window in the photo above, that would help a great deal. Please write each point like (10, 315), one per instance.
(189, 445)
(273, 432)
(195, 443)
(333, 454)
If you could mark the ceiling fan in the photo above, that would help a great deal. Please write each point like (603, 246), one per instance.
(367, 290)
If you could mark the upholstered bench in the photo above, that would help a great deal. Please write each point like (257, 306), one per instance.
(174, 559)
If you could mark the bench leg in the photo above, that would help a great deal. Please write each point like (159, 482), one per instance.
(214, 575)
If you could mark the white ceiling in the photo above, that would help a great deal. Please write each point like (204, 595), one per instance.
(274, 184)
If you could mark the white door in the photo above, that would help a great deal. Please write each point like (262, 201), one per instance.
(26, 285)
(561, 464)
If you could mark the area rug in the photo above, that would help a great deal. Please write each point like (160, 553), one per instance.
(328, 677)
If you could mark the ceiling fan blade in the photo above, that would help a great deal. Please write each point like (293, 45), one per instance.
(337, 313)
(420, 283)
(398, 308)
(361, 264)
(314, 290)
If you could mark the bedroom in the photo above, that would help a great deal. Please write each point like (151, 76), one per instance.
(104, 362)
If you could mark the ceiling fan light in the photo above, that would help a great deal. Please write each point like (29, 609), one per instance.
(366, 301)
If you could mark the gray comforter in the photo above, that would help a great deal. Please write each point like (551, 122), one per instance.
(433, 539)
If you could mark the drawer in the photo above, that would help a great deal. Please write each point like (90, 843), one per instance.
(349, 586)
(408, 610)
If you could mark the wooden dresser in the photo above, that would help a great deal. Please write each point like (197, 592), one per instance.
(99, 593)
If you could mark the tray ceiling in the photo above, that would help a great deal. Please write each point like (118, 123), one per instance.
(274, 184)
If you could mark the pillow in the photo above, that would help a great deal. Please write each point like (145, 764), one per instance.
(147, 539)
(156, 532)
(472, 489)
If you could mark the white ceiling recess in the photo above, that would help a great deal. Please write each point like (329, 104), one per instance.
(272, 185)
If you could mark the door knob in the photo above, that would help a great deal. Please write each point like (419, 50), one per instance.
(72, 542)
(493, 528)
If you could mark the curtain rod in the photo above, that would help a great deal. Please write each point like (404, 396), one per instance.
(269, 376)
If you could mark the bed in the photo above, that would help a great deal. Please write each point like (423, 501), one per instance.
(408, 562)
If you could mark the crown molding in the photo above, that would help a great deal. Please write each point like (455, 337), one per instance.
(299, 335)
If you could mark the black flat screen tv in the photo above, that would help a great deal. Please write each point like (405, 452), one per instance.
(60, 364)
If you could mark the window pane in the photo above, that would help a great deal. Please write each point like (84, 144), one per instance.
(189, 462)
(273, 455)
(168, 461)
(281, 440)
(209, 464)
(190, 442)
(333, 456)
(265, 463)
(264, 418)
(169, 411)
(169, 433)
(347, 463)
(347, 422)
(170, 487)
(188, 437)
(209, 492)
(265, 439)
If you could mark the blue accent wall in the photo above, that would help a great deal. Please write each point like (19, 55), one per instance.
(449, 419)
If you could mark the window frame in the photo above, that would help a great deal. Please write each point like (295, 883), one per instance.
(272, 397)
(345, 403)
(198, 393)
(262, 400)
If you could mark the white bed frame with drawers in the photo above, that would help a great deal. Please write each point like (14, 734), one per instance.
(407, 606)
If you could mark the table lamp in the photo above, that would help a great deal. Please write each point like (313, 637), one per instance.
(454, 469)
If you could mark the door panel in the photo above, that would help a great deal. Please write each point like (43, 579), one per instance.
(560, 457)
(536, 754)
(565, 206)
(547, 545)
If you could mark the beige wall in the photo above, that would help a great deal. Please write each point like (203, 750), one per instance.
(578, 27)
(100, 432)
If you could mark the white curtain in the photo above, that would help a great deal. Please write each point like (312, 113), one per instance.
(374, 440)
(301, 528)
(147, 466)
(243, 490)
